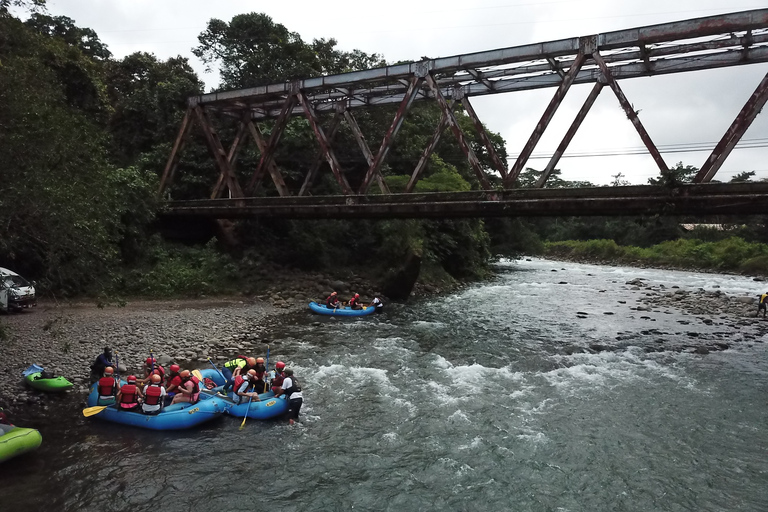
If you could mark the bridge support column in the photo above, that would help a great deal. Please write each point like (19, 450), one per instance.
(173, 158)
(267, 150)
(214, 143)
(320, 156)
(422, 163)
(231, 158)
(497, 163)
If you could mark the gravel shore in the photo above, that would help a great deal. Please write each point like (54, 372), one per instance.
(66, 339)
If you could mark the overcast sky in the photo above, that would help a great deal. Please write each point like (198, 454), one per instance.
(687, 108)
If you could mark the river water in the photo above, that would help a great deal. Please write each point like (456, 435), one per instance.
(465, 402)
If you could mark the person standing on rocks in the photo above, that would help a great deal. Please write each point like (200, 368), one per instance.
(763, 304)
(108, 387)
(292, 391)
(102, 361)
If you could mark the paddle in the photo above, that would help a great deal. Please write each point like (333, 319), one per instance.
(117, 366)
(217, 370)
(266, 372)
(96, 409)
(197, 374)
(245, 417)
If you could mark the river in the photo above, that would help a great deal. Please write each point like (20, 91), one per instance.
(464, 402)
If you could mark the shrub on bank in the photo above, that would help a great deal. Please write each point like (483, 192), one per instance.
(730, 254)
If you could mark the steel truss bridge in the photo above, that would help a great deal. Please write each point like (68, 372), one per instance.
(603, 60)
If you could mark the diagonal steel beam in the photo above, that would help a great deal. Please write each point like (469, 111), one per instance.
(397, 122)
(360, 138)
(735, 132)
(570, 133)
(422, 163)
(631, 114)
(173, 158)
(330, 154)
(231, 158)
(549, 113)
(274, 172)
(454, 125)
(320, 156)
(268, 151)
(497, 163)
(214, 143)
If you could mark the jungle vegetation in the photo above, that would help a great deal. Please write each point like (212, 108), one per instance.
(84, 137)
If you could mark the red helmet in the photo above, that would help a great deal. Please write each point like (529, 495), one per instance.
(280, 365)
(150, 360)
(357, 295)
(156, 378)
(260, 360)
(131, 378)
(109, 370)
(175, 368)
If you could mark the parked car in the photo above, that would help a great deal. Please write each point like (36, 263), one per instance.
(15, 292)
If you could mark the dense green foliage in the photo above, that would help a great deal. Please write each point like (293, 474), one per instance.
(730, 254)
(84, 138)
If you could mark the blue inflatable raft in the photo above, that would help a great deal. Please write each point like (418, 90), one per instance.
(172, 417)
(266, 408)
(322, 309)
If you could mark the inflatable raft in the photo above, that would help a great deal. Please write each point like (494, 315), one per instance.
(322, 309)
(172, 417)
(266, 408)
(34, 377)
(17, 441)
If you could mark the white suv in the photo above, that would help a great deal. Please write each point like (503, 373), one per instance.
(15, 291)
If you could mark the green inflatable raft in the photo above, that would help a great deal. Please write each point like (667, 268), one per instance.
(17, 441)
(34, 376)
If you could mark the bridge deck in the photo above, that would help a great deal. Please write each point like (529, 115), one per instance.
(693, 199)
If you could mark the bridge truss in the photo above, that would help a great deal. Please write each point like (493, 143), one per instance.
(603, 60)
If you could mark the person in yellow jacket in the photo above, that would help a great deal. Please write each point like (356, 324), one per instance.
(763, 304)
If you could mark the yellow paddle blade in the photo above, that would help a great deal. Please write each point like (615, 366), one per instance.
(197, 374)
(96, 409)
(242, 425)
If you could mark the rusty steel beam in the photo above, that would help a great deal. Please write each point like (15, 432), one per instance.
(231, 158)
(389, 137)
(546, 117)
(735, 132)
(593, 94)
(722, 25)
(173, 158)
(458, 133)
(495, 160)
(422, 163)
(267, 152)
(274, 172)
(325, 145)
(694, 199)
(363, 145)
(320, 156)
(214, 144)
(631, 114)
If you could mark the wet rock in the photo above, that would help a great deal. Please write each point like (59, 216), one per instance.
(581, 313)
(562, 282)
(701, 350)
(598, 348)
(607, 312)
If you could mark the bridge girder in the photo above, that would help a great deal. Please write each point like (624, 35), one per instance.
(602, 59)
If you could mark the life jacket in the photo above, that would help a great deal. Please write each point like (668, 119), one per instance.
(277, 380)
(170, 378)
(353, 302)
(128, 396)
(196, 382)
(159, 370)
(231, 365)
(261, 371)
(332, 301)
(295, 387)
(153, 394)
(107, 386)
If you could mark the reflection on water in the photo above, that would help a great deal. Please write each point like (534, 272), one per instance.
(458, 403)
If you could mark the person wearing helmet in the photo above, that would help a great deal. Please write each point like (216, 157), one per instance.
(189, 391)
(260, 384)
(108, 387)
(277, 376)
(354, 302)
(291, 389)
(232, 366)
(151, 366)
(102, 361)
(154, 395)
(244, 387)
(333, 301)
(130, 395)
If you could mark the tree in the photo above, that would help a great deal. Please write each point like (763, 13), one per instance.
(743, 177)
(675, 176)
